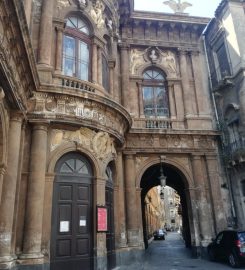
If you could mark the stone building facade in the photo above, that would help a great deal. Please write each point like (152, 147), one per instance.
(96, 97)
(224, 39)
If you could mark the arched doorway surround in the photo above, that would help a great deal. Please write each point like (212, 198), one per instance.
(179, 178)
(72, 214)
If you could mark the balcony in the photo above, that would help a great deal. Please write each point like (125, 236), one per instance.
(152, 124)
(235, 151)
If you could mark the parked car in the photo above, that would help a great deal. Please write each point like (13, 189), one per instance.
(159, 234)
(228, 245)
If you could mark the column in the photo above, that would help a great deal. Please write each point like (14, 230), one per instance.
(120, 214)
(59, 46)
(111, 64)
(2, 172)
(116, 91)
(203, 208)
(45, 34)
(35, 196)
(215, 190)
(171, 101)
(7, 206)
(99, 70)
(201, 95)
(140, 98)
(185, 84)
(94, 64)
(28, 8)
(125, 76)
(131, 202)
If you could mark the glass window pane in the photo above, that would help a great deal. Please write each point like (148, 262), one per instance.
(83, 71)
(83, 52)
(161, 102)
(69, 67)
(72, 22)
(83, 61)
(81, 167)
(68, 166)
(69, 46)
(148, 99)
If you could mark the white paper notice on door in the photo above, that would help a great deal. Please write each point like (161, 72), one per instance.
(64, 226)
(82, 221)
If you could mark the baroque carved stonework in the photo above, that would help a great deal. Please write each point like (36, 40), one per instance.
(99, 143)
(60, 107)
(171, 141)
(154, 55)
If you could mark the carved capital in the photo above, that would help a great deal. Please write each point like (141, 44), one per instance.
(16, 116)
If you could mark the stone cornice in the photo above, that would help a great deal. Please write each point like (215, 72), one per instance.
(169, 18)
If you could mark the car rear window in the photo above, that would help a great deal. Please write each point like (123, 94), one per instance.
(241, 236)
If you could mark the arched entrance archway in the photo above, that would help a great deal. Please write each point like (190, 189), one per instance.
(72, 214)
(176, 180)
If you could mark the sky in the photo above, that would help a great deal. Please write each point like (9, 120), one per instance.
(203, 8)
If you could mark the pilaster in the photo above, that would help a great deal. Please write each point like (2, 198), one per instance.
(120, 213)
(215, 187)
(185, 84)
(201, 200)
(131, 202)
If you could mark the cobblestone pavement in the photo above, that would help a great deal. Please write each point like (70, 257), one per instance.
(171, 254)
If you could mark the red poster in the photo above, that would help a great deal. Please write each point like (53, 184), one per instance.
(101, 219)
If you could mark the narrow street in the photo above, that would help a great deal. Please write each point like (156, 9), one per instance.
(171, 254)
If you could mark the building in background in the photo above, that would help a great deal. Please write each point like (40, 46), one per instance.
(224, 41)
(173, 219)
(96, 99)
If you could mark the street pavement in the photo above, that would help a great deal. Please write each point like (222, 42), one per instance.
(171, 254)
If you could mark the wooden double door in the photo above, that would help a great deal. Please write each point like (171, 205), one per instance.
(72, 216)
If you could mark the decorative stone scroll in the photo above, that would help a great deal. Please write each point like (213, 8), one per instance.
(154, 55)
(99, 143)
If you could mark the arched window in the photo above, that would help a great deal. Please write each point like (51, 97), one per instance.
(76, 49)
(155, 96)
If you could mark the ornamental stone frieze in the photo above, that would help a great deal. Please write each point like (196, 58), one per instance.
(170, 141)
(80, 110)
(99, 143)
(153, 55)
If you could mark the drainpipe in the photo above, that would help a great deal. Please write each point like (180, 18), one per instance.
(233, 210)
